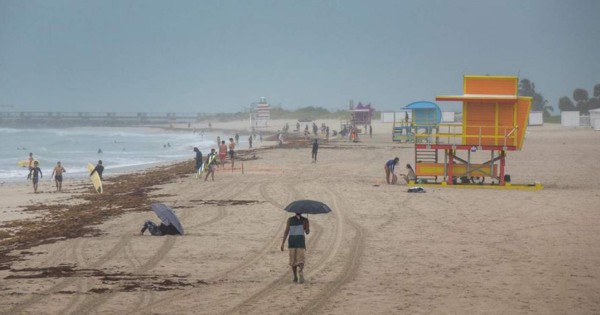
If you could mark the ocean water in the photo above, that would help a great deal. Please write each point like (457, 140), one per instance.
(122, 148)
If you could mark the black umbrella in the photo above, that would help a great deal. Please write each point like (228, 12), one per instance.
(167, 216)
(307, 206)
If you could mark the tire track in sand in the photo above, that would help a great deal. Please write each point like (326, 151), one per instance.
(235, 269)
(351, 265)
(333, 251)
(92, 303)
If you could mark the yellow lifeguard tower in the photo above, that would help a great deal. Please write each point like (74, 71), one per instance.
(494, 120)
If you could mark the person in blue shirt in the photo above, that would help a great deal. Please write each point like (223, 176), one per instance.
(389, 170)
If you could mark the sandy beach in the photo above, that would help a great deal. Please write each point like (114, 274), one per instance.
(380, 251)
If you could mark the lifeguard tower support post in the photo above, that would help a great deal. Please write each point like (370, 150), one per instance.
(494, 120)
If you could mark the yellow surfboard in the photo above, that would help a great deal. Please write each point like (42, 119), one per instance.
(25, 163)
(95, 178)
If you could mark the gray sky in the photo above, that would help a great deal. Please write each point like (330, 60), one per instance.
(220, 56)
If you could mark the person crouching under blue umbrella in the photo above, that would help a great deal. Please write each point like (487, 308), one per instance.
(296, 227)
(165, 228)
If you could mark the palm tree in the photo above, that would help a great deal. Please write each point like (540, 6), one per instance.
(538, 102)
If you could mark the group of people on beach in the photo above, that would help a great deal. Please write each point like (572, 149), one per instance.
(211, 163)
(35, 173)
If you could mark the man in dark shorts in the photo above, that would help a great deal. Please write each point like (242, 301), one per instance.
(57, 174)
(34, 172)
(296, 227)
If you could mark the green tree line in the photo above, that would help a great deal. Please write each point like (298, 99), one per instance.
(583, 102)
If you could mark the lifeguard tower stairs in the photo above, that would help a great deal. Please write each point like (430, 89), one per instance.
(494, 122)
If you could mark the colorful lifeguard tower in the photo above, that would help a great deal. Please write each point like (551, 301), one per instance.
(362, 115)
(494, 120)
(426, 116)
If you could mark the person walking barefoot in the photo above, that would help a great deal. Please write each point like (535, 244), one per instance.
(295, 228)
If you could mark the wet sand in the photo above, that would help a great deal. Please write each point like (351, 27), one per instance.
(380, 251)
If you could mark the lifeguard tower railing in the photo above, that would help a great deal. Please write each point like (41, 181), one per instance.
(453, 138)
(480, 137)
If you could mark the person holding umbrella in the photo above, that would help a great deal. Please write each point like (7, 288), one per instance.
(169, 225)
(295, 228)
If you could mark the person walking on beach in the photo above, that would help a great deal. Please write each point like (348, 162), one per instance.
(315, 149)
(389, 170)
(232, 150)
(211, 164)
(295, 228)
(222, 153)
(57, 174)
(250, 141)
(237, 138)
(98, 169)
(34, 172)
(198, 161)
(30, 159)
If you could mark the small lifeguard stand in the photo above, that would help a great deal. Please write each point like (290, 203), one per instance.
(494, 120)
(425, 116)
(362, 115)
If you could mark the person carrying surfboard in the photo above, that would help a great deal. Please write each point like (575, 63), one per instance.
(98, 169)
(211, 164)
(30, 159)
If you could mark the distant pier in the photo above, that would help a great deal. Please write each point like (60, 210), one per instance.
(66, 119)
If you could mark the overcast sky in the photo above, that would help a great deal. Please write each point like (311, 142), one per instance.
(221, 56)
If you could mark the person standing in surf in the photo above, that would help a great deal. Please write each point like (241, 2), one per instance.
(57, 174)
(295, 228)
(34, 172)
(98, 169)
